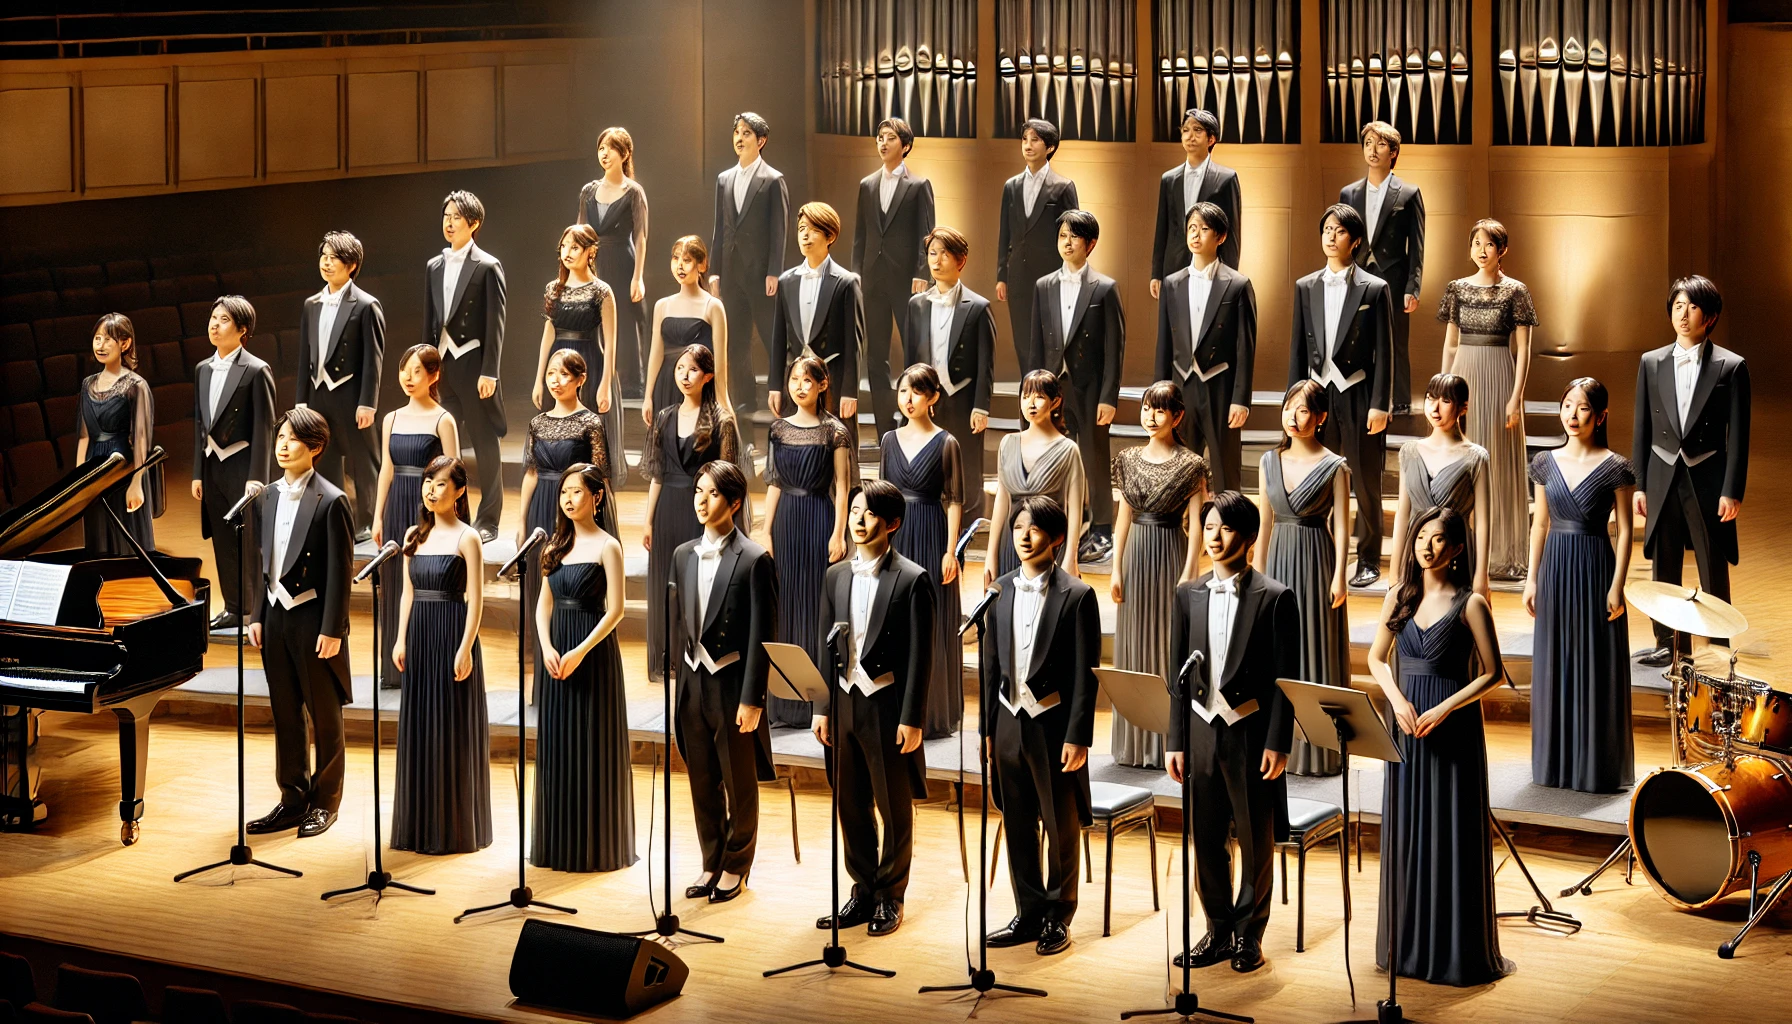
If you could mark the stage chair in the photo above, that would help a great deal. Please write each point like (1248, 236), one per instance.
(16, 984)
(789, 785)
(1116, 810)
(183, 1005)
(38, 1013)
(106, 996)
(256, 1011)
(6, 1014)
(1311, 822)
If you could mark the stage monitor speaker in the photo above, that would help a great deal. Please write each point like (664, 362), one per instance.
(589, 972)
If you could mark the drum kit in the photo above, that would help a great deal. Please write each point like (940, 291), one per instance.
(1719, 820)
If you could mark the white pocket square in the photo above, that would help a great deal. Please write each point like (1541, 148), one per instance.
(1363, 306)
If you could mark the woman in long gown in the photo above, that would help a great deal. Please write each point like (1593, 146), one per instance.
(118, 415)
(922, 459)
(442, 801)
(579, 314)
(1040, 459)
(1163, 484)
(1580, 678)
(1445, 468)
(808, 472)
(584, 787)
(1488, 320)
(412, 436)
(1307, 489)
(1437, 846)
(615, 206)
(690, 316)
(682, 439)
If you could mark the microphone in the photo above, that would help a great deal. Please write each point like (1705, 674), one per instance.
(964, 539)
(834, 634)
(385, 554)
(977, 613)
(1195, 658)
(523, 550)
(236, 510)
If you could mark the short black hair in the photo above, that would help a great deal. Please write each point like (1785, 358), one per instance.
(1046, 514)
(883, 499)
(727, 478)
(1702, 292)
(1347, 218)
(904, 134)
(309, 427)
(347, 249)
(467, 205)
(1208, 122)
(1082, 224)
(1047, 132)
(758, 125)
(1236, 511)
(1212, 215)
(241, 312)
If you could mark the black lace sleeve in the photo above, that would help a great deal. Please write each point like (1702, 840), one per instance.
(599, 440)
(1539, 468)
(730, 439)
(952, 481)
(838, 435)
(651, 453)
(529, 444)
(774, 440)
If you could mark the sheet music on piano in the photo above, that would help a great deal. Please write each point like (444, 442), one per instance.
(32, 591)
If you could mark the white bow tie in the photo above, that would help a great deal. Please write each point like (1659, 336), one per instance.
(867, 570)
(811, 273)
(1070, 276)
(945, 298)
(1339, 277)
(457, 256)
(333, 298)
(1682, 356)
(1031, 586)
(291, 488)
(711, 549)
(1226, 586)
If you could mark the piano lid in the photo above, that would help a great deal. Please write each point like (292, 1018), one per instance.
(28, 525)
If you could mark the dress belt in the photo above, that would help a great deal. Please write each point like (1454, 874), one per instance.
(908, 495)
(562, 334)
(594, 605)
(108, 437)
(1577, 526)
(1485, 340)
(1311, 522)
(1157, 518)
(792, 491)
(403, 470)
(549, 474)
(451, 596)
(1421, 667)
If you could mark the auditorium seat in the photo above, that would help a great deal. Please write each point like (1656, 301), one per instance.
(91, 276)
(187, 288)
(176, 266)
(20, 381)
(127, 272)
(163, 363)
(183, 1005)
(330, 1018)
(30, 467)
(158, 323)
(16, 341)
(289, 347)
(239, 281)
(278, 312)
(6, 1014)
(38, 1013)
(16, 984)
(62, 415)
(24, 308)
(84, 301)
(19, 282)
(71, 335)
(194, 348)
(128, 295)
(27, 423)
(256, 1011)
(106, 996)
(63, 376)
(174, 402)
(194, 316)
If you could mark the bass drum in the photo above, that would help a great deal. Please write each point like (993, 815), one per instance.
(1693, 827)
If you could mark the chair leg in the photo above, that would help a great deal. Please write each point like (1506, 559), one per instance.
(1151, 835)
(1283, 854)
(796, 845)
(1300, 905)
(1088, 859)
(1107, 884)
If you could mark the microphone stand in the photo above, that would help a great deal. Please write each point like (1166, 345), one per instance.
(378, 879)
(241, 854)
(964, 541)
(982, 979)
(665, 924)
(521, 897)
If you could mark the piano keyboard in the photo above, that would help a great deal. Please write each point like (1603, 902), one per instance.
(52, 680)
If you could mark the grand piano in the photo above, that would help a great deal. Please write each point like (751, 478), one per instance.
(125, 631)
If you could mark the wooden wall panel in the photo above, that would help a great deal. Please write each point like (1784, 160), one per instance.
(302, 127)
(217, 129)
(125, 135)
(382, 118)
(39, 131)
(463, 113)
(537, 101)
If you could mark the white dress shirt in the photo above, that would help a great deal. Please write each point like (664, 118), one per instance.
(1031, 183)
(1193, 177)
(454, 262)
(709, 559)
(1222, 611)
(1070, 289)
(220, 373)
(285, 518)
(1029, 602)
(1687, 363)
(1336, 285)
(810, 294)
(743, 176)
(945, 306)
(864, 593)
(330, 306)
(1372, 196)
(886, 185)
(1200, 289)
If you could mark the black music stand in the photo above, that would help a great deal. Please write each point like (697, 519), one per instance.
(241, 854)
(802, 681)
(1143, 701)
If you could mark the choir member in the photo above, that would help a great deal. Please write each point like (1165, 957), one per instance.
(301, 625)
(579, 314)
(584, 789)
(1236, 746)
(821, 313)
(1039, 459)
(1207, 344)
(1027, 242)
(615, 206)
(118, 416)
(1198, 179)
(747, 247)
(951, 329)
(1393, 213)
(463, 315)
(874, 719)
(442, 802)
(1580, 678)
(889, 251)
(233, 447)
(1692, 423)
(1038, 720)
(1488, 320)
(413, 435)
(1437, 844)
(1445, 468)
(342, 341)
(1079, 333)
(691, 316)
(728, 599)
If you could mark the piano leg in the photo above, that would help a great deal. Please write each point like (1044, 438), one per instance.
(133, 761)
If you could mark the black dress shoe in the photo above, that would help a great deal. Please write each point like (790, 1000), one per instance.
(856, 912)
(226, 620)
(1018, 933)
(886, 918)
(700, 890)
(1247, 956)
(317, 822)
(720, 895)
(1054, 938)
(1366, 575)
(279, 819)
(1207, 952)
(1660, 657)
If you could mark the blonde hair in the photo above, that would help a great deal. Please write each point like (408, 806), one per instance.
(821, 217)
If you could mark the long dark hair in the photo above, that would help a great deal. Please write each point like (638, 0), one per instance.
(1450, 388)
(1045, 384)
(586, 236)
(426, 517)
(117, 327)
(1311, 392)
(561, 542)
(709, 412)
(1412, 582)
(813, 368)
(430, 358)
(1167, 397)
(1598, 398)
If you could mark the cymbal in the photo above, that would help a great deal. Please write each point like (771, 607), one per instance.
(1686, 610)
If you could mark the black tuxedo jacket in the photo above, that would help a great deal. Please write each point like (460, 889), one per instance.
(1228, 329)
(476, 313)
(357, 344)
(1397, 255)
(1066, 650)
(972, 354)
(1096, 344)
(742, 616)
(245, 413)
(1219, 186)
(1263, 647)
(1362, 337)
(837, 333)
(750, 244)
(1717, 429)
(898, 641)
(319, 556)
(1027, 247)
(887, 245)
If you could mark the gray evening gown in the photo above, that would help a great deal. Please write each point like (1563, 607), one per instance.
(1301, 557)
(1453, 487)
(1052, 474)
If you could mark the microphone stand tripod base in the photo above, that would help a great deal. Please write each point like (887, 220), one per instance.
(240, 856)
(522, 898)
(1187, 1005)
(377, 883)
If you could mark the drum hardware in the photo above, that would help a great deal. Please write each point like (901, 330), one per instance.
(1544, 915)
